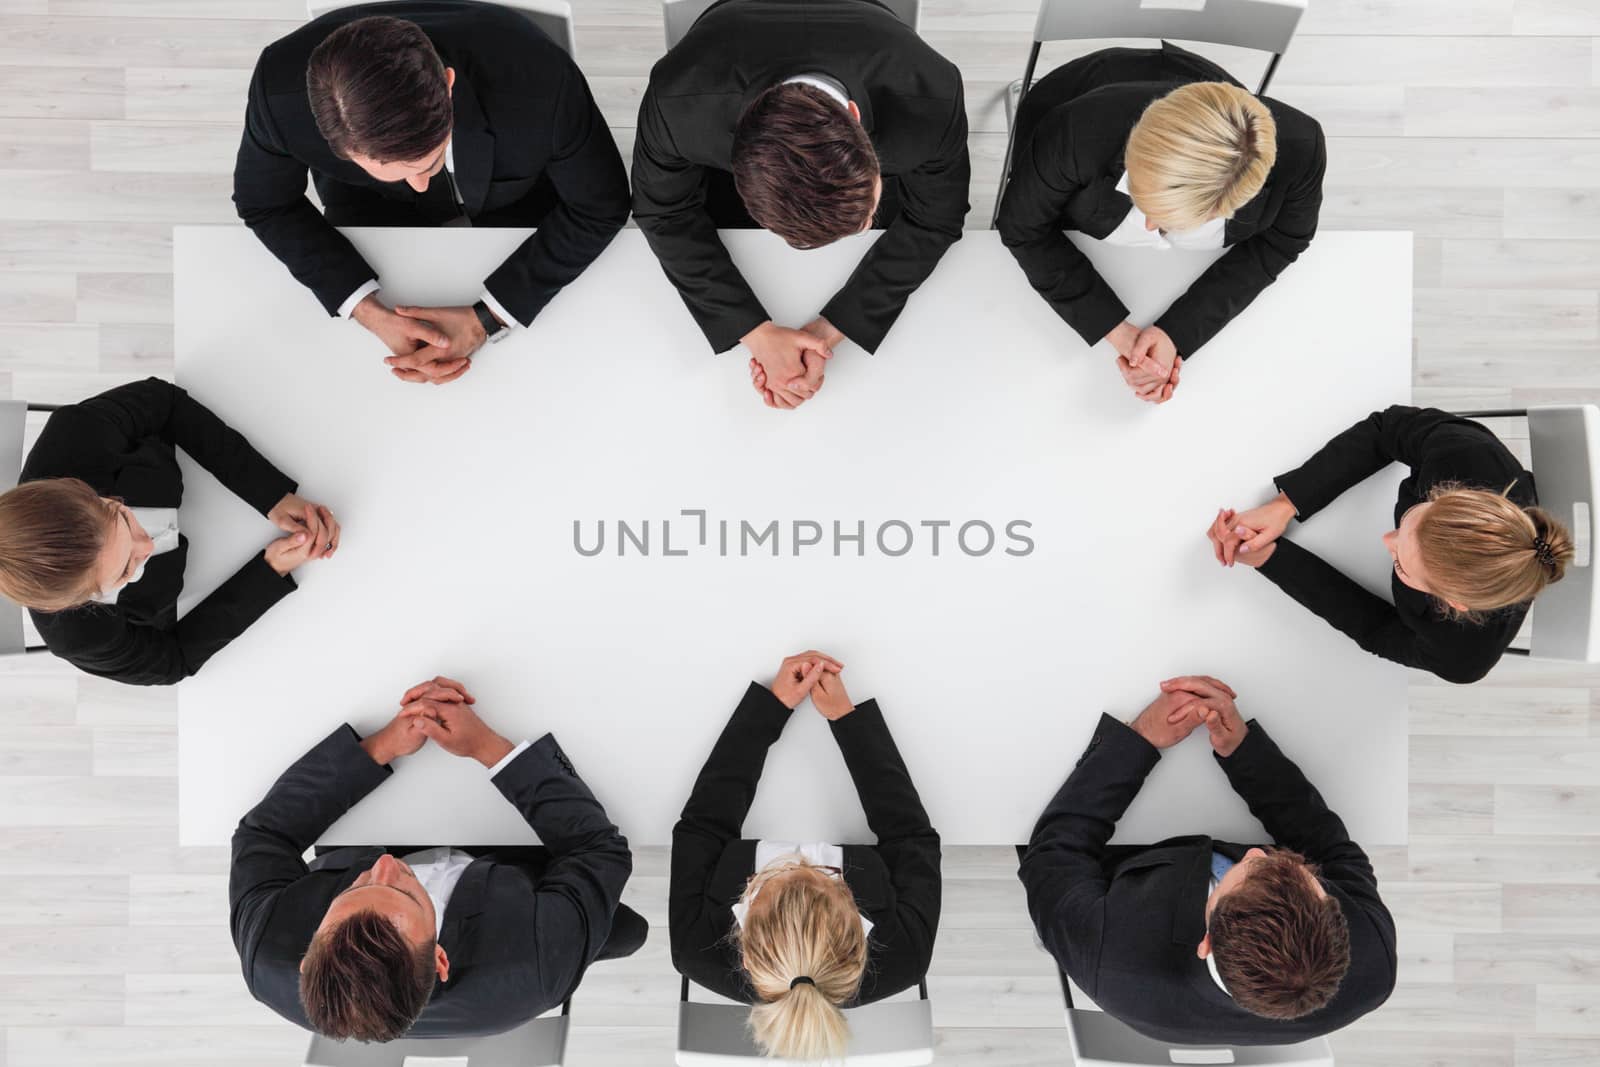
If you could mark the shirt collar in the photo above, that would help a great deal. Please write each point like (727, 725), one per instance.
(1211, 958)
(831, 86)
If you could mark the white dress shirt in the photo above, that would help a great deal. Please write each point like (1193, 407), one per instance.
(770, 853)
(162, 526)
(1211, 958)
(371, 285)
(832, 86)
(439, 869)
(1131, 231)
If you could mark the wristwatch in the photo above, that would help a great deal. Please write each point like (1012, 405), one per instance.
(492, 327)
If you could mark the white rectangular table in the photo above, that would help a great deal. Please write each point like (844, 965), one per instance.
(459, 504)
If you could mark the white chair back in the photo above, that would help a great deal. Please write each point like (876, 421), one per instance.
(1099, 1040)
(890, 1033)
(1565, 444)
(554, 17)
(541, 1042)
(679, 15)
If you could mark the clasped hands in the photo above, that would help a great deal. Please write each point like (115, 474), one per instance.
(428, 345)
(1250, 537)
(439, 710)
(310, 532)
(814, 674)
(1185, 705)
(1148, 360)
(787, 366)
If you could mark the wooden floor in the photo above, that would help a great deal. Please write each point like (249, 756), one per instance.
(1475, 123)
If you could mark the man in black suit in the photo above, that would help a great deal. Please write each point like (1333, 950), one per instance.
(1195, 941)
(814, 120)
(418, 113)
(439, 942)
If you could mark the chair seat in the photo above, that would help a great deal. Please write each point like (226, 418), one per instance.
(892, 1033)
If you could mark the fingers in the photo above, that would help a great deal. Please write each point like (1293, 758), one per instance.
(466, 365)
(1224, 686)
(414, 377)
(1198, 684)
(808, 680)
(458, 690)
(1182, 712)
(810, 343)
(331, 530)
(828, 661)
(418, 327)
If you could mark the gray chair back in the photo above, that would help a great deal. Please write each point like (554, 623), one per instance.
(1565, 445)
(554, 17)
(541, 1042)
(679, 15)
(1099, 1040)
(13, 425)
(890, 1033)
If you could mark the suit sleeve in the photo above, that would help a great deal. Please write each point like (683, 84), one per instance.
(1043, 180)
(907, 841)
(1374, 623)
(933, 203)
(669, 206)
(1398, 434)
(1232, 282)
(100, 640)
(578, 893)
(154, 408)
(714, 816)
(270, 840)
(269, 193)
(1296, 816)
(592, 189)
(1062, 870)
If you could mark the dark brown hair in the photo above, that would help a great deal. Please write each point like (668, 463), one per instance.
(804, 167)
(362, 979)
(377, 87)
(51, 534)
(1280, 949)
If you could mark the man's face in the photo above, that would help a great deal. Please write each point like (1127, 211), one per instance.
(390, 889)
(416, 173)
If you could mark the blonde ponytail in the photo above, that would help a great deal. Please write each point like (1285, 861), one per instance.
(804, 950)
(1483, 551)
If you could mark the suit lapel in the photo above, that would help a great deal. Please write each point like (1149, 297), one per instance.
(472, 146)
(457, 931)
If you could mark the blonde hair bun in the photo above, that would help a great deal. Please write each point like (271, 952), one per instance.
(1200, 152)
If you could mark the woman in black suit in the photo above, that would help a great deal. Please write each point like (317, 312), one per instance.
(799, 931)
(1471, 547)
(1158, 147)
(89, 539)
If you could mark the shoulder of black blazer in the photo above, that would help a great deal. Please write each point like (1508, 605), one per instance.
(515, 71)
(716, 965)
(1083, 141)
(739, 48)
(76, 443)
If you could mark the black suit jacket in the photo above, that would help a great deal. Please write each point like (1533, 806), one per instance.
(518, 935)
(1124, 924)
(911, 106)
(122, 444)
(1071, 131)
(896, 882)
(1414, 629)
(530, 148)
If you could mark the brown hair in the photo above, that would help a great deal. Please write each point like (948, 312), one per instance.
(1484, 551)
(1280, 949)
(803, 925)
(51, 535)
(1201, 152)
(804, 167)
(362, 979)
(377, 87)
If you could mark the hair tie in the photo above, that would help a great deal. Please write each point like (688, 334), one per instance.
(1545, 553)
(806, 978)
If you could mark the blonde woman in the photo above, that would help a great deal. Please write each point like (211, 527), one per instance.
(1471, 548)
(89, 540)
(800, 931)
(1158, 148)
